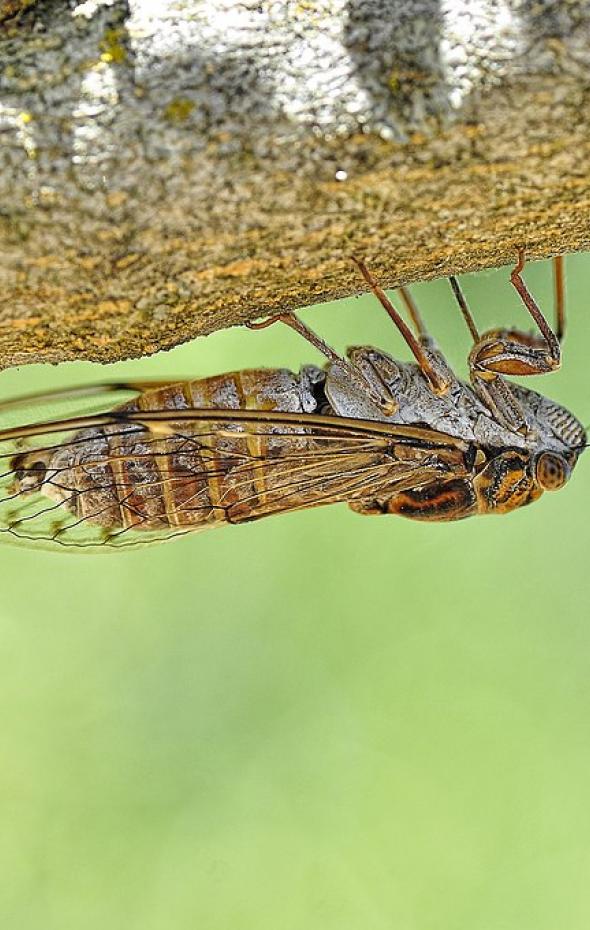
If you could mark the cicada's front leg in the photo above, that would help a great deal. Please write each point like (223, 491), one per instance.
(513, 352)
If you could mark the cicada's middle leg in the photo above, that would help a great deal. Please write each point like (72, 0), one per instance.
(432, 363)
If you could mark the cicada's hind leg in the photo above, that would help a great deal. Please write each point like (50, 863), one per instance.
(289, 319)
(501, 352)
(432, 363)
(374, 388)
(533, 355)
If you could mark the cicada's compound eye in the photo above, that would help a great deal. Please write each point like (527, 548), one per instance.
(552, 471)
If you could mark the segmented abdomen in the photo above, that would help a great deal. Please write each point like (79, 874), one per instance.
(183, 473)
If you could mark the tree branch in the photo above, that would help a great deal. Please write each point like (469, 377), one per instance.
(169, 169)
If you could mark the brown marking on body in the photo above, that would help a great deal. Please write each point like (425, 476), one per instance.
(451, 499)
(506, 483)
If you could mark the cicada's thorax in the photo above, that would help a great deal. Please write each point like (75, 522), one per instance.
(501, 477)
(457, 412)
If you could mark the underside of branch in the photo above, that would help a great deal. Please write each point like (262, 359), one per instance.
(170, 169)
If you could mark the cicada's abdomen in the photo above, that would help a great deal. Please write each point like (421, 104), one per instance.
(180, 474)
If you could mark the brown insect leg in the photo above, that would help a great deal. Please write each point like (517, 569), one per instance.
(460, 298)
(289, 319)
(414, 314)
(383, 398)
(497, 395)
(264, 324)
(490, 387)
(438, 384)
(559, 284)
(528, 300)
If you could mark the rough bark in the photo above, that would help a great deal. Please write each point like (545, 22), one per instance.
(169, 169)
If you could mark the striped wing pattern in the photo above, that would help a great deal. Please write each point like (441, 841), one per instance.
(130, 477)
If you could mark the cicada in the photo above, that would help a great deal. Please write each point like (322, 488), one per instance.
(382, 435)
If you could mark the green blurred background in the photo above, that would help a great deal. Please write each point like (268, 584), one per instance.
(320, 721)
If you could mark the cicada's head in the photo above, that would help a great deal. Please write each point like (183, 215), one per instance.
(561, 439)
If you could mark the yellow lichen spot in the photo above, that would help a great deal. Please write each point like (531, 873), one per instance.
(112, 48)
(304, 7)
(115, 199)
(555, 45)
(88, 262)
(22, 322)
(25, 117)
(107, 308)
(393, 80)
(89, 64)
(220, 138)
(46, 261)
(127, 260)
(47, 195)
(179, 110)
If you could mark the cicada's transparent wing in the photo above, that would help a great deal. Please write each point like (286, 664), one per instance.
(75, 401)
(133, 476)
(21, 420)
